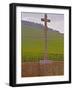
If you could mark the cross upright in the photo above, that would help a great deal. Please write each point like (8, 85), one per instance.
(45, 34)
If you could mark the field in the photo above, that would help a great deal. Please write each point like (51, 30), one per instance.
(33, 44)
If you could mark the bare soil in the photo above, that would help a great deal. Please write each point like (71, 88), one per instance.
(31, 69)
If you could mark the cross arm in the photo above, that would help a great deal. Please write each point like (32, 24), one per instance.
(47, 20)
(42, 19)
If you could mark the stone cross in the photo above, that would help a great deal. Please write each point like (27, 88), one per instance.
(45, 34)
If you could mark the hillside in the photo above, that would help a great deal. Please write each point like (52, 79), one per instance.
(33, 42)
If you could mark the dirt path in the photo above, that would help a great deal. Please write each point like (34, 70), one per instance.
(30, 69)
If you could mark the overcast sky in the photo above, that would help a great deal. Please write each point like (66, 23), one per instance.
(57, 20)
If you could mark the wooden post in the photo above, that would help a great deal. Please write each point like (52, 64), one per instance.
(45, 33)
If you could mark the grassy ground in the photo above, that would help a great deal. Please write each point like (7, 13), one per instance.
(33, 45)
